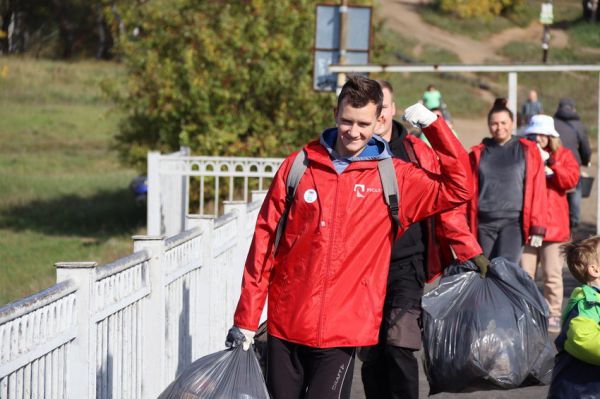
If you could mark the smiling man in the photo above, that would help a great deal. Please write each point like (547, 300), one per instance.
(326, 281)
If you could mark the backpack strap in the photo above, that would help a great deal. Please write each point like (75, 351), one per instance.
(293, 179)
(387, 173)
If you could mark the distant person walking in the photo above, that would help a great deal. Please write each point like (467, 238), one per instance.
(508, 208)
(562, 174)
(574, 136)
(531, 107)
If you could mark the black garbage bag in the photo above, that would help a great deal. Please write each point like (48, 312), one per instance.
(486, 333)
(229, 374)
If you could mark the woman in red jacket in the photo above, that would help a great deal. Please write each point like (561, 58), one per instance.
(508, 208)
(562, 174)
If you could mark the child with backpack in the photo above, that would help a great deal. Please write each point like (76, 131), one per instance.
(576, 371)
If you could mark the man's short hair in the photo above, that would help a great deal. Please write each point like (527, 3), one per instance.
(579, 255)
(359, 91)
(385, 85)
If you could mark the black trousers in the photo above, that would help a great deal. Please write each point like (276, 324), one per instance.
(390, 372)
(390, 368)
(301, 372)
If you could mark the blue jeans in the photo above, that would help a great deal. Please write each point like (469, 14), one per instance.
(574, 199)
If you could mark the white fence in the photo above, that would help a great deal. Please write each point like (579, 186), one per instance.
(127, 328)
(177, 182)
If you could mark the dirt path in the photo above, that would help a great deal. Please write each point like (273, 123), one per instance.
(402, 16)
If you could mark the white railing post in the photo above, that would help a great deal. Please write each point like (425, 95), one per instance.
(214, 340)
(82, 354)
(153, 202)
(241, 250)
(153, 352)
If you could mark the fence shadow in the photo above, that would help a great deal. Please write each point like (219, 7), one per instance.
(104, 214)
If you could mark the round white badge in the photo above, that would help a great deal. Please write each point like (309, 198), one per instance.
(310, 196)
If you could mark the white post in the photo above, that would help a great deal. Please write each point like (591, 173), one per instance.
(82, 354)
(598, 165)
(512, 94)
(154, 213)
(153, 353)
(237, 269)
(215, 339)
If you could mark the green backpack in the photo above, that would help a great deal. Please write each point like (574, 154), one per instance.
(583, 335)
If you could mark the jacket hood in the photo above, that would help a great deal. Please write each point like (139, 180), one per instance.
(376, 148)
(566, 112)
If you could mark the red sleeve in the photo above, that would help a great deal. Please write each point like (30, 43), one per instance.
(257, 270)
(455, 230)
(451, 226)
(539, 201)
(565, 168)
(423, 193)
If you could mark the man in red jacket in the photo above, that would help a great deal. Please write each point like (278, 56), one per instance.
(390, 369)
(326, 282)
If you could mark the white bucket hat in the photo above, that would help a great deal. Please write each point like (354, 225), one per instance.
(541, 124)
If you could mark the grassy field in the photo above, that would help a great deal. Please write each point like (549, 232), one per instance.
(64, 194)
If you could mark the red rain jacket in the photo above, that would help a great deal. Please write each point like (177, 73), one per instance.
(565, 177)
(327, 282)
(451, 228)
(534, 198)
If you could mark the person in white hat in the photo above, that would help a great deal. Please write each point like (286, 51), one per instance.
(562, 174)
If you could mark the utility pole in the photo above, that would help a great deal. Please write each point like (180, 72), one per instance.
(341, 77)
(546, 18)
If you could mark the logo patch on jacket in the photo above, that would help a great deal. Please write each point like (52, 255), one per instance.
(361, 190)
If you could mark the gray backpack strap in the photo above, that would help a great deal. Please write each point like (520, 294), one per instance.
(293, 179)
(387, 173)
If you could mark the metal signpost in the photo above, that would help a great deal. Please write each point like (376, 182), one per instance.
(342, 36)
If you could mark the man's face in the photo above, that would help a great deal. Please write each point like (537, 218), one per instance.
(355, 128)
(387, 115)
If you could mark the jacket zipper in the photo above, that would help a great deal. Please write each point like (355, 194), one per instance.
(332, 238)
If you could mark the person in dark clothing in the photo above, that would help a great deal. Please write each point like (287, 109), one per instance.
(573, 135)
(508, 209)
(390, 369)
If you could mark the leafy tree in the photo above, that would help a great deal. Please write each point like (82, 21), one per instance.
(223, 77)
(479, 8)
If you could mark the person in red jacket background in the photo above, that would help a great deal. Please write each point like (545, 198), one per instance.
(390, 369)
(326, 281)
(562, 174)
(508, 207)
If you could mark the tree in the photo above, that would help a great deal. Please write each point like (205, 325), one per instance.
(225, 78)
(479, 8)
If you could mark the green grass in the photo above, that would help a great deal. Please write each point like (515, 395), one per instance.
(586, 34)
(532, 53)
(64, 194)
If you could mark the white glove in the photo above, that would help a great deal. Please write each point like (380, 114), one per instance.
(549, 172)
(419, 116)
(545, 154)
(239, 336)
(536, 240)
